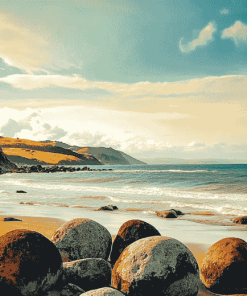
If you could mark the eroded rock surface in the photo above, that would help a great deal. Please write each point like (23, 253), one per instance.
(128, 233)
(82, 238)
(158, 266)
(224, 266)
(29, 263)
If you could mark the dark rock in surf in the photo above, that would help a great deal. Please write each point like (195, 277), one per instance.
(178, 212)
(11, 219)
(21, 191)
(108, 208)
(128, 233)
(167, 214)
(240, 220)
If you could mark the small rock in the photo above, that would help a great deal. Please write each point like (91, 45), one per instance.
(240, 220)
(11, 219)
(128, 233)
(156, 265)
(20, 191)
(29, 263)
(224, 265)
(108, 208)
(82, 238)
(167, 214)
(103, 292)
(89, 273)
(179, 213)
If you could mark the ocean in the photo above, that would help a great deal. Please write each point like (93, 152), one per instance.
(217, 189)
(138, 191)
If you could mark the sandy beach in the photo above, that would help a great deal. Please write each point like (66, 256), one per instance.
(197, 237)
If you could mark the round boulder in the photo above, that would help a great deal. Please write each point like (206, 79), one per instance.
(103, 292)
(82, 238)
(156, 265)
(224, 265)
(29, 263)
(91, 273)
(128, 233)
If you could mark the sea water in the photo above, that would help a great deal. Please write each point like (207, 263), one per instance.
(139, 191)
(148, 188)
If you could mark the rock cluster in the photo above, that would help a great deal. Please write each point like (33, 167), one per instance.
(52, 169)
(142, 263)
(169, 214)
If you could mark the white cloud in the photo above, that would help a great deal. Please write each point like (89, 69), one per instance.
(224, 11)
(205, 36)
(22, 48)
(238, 32)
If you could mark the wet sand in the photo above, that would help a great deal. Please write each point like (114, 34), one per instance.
(45, 226)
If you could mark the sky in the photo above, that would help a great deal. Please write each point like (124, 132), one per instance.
(165, 78)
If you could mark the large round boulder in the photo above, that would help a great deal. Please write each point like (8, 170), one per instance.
(223, 269)
(91, 273)
(158, 266)
(103, 292)
(29, 263)
(82, 238)
(128, 233)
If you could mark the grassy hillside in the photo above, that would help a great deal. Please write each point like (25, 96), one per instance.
(34, 152)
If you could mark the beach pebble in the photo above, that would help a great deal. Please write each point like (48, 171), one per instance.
(128, 233)
(240, 220)
(82, 238)
(91, 273)
(156, 265)
(11, 219)
(108, 208)
(103, 292)
(178, 212)
(167, 214)
(29, 263)
(224, 266)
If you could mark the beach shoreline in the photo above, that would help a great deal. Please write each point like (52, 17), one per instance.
(48, 225)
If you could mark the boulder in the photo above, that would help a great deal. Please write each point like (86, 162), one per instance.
(29, 263)
(240, 220)
(68, 290)
(20, 191)
(128, 233)
(156, 265)
(91, 273)
(103, 292)
(82, 238)
(224, 265)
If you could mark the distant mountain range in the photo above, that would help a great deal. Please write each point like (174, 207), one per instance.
(107, 156)
(22, 151)
(193, 161)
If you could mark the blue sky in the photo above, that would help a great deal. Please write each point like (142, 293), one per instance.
(167, 78)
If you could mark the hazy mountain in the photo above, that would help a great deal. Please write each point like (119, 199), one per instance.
(193, 161)
(108, 156)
